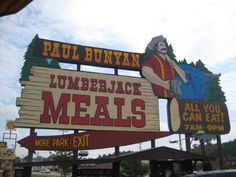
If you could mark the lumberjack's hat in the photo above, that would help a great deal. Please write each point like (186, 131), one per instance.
(154, 41)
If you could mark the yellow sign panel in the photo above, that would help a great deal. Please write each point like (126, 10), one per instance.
(62, 99)
(3, 144)
(10, 125)
(6, 165)
(7, 154)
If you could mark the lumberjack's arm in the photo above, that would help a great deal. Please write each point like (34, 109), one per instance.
(153, 78)
(179, 71)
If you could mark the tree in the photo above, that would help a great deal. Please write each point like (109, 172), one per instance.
(155, 169)
(133, 168)
(31, 60)
(211, 149)
(215, 92)
(170, 53)
(200, 65)
(62, 156)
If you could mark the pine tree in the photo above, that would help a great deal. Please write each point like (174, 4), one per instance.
(31, 60)
(215, 92)
(200, 65)
(170, 53)
(183, 61)
(62, 156)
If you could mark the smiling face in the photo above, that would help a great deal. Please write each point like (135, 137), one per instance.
(161, 48)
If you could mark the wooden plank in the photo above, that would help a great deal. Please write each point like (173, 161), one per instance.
(32, 104)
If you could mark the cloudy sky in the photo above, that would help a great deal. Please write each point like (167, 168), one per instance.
(203, 29)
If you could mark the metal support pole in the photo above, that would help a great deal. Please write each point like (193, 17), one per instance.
(153, 144)
(203, 152)
(187, 142)
(220, 152)
(202, 144)
(116, 165)
(75, 152)
(75, 157)
(116, 72)
(28, 170)
(180, 142)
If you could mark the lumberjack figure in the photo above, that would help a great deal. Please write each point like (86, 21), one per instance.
(161, 71)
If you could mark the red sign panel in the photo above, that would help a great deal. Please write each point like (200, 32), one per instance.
(88, 140)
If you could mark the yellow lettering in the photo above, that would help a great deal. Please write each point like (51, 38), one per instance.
(187, 107)
(47, 47)
(126, 60)
(108, 56)
(185, 116)
(196, 127)
(214, 118)
(37, 142)
(208, 117)
(88, 54)
(66, 51)
(81, 141)
(86, 140)
(213, 128)
(206, 107)
(98, 55)
(55, 52)
(117, 56)
(197, 117)
(135, 61)
(41, 142)
(75, 55)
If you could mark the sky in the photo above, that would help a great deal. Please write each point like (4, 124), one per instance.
(203, 29)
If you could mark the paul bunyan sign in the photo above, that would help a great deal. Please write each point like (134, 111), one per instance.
(62, 99)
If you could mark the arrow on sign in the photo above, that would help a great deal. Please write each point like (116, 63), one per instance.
(88, 140)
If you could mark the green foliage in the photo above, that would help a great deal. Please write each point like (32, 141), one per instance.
(113, 154)
(62, 156)
(228, 152)
(133, 168)
(201, 66)
(230, 149)
(183, 61)
(215, 92)
(170, 53)
(211, 149)
(31, 60)
(130, 168)
(154, 168)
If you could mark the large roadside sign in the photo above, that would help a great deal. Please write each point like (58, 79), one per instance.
(123, 109)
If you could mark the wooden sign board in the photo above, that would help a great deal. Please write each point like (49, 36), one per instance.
(62, 99)
(187, 116)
